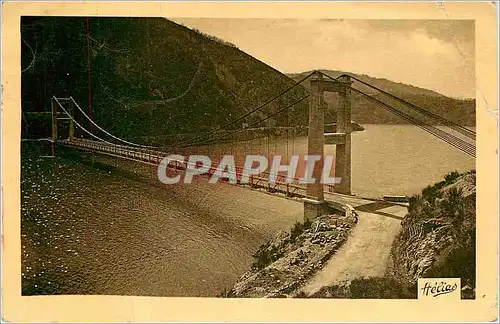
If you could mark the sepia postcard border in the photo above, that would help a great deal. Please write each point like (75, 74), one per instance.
(17, 308)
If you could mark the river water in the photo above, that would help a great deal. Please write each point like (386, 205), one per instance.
(99, 229)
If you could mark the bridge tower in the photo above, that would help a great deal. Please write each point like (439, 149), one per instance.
(343, 146)
(314, 204)
(71, 134)
(56, 118)
(53, 107)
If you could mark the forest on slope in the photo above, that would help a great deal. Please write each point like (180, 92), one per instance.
(148, 77)
(152, 78)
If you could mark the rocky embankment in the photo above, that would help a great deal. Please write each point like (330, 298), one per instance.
(285, 263)
(438, 233)
(437, 239)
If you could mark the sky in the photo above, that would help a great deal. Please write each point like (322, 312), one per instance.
(432, 54)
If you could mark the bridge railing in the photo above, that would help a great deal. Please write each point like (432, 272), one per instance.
(282, 184)
(135, 153)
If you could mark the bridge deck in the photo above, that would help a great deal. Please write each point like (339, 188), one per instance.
(284, 186)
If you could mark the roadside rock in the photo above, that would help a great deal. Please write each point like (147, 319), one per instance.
(295, 256)
(437, 238)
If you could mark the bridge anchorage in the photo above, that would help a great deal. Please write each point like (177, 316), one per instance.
(313, 194)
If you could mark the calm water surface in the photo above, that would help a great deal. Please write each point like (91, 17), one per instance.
(100, 230)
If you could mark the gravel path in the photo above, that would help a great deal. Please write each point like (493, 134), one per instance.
(366, 251)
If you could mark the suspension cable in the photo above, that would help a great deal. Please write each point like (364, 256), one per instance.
(220, 128)
(97, 137)
(77, 124)
(450, 139)
(463, 130)
(106, 132)
(197, 138)
(255, 123)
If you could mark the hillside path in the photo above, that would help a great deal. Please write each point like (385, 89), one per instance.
(366, 251)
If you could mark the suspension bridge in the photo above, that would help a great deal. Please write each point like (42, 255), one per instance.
(318, 198)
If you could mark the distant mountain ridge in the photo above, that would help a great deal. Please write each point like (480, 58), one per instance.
(386, 84)
(460, 111)
(150, 78)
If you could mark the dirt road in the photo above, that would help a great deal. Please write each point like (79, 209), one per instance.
(365, 253)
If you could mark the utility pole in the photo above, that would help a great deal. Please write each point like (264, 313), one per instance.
(89, 64)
